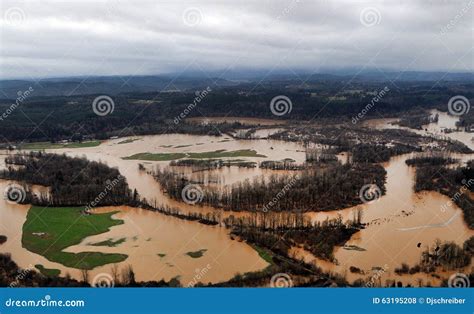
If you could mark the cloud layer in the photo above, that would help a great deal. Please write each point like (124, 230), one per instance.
(119, 37)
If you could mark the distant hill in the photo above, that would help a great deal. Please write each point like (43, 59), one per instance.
(110, 85)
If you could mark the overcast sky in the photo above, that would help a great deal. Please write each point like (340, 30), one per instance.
(118, 37)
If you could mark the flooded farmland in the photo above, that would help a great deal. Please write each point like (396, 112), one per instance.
(400, 224)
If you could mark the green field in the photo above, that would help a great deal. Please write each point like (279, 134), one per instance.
(48, 272)
(48, 231)
(48, 145)
(222, 153)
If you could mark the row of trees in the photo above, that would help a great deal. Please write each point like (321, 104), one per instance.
(281, 231)
(313, 190)
(379, 153)
(72, 181)
(447, 255)
(431, 160)
(13, 276)
(456, 183)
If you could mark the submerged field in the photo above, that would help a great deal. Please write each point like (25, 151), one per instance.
(48, 145)
(222, 153)
(48, 231)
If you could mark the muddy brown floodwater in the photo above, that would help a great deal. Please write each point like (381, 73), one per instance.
(157, 244)
(150, 235)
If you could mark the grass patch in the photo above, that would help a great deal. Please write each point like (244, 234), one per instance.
(48, 231)
(48, 145)
(264, 254)
(48, 272)
(129, 140)
(109, 242)
(155, 157)
(222, 153)
(196, 254)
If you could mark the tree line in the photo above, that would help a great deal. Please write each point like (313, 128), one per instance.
(72, 181)
(455, 183)
(316, 189)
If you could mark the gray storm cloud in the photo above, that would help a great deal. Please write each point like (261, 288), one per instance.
(118, 37)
